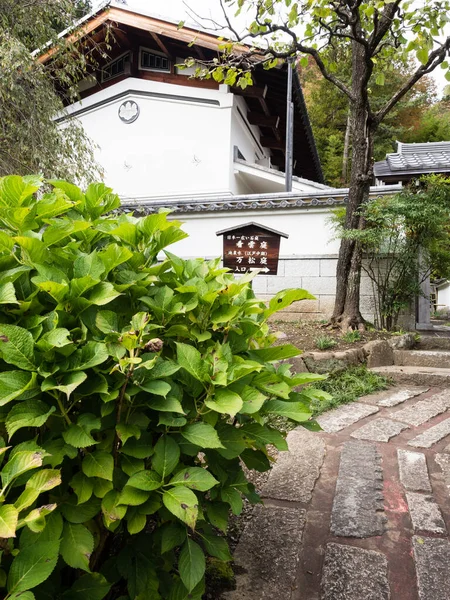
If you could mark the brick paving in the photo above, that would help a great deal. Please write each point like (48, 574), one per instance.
(358, 511)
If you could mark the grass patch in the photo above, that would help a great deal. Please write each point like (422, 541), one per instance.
(324, 342)
(351, 337)
(347, 386)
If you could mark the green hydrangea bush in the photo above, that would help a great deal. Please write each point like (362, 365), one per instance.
(132, 391)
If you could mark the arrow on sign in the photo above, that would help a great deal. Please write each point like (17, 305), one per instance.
(265, 270)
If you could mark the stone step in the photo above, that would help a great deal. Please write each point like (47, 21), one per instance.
(433, 342)
(412, 375)
(422, 358)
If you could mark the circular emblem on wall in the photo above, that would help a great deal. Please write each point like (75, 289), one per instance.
(129, 111)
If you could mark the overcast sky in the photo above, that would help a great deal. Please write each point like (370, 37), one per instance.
(177, 10)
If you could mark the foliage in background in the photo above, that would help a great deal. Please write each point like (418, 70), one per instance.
(324, 342)
(396, 229)
(346, 386)
(31, 95)
(130, 392)
(328, 110)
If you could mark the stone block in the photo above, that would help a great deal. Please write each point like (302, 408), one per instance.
(432, 435)
(326, 304)
(379, 430)
(432, 558)
(320, 285)
(443, 460)
(303, 267)
(423, 411)
(366, 287)
(379, 354)
(282, 267)
(328, 267)
(343, 416)
(259, 284)
(403, 342)
(276, 284)
(298, 364)
(267, 554)
(295, 473)
(425, 513)
(351, 573)
(413, 471)
(358, 501)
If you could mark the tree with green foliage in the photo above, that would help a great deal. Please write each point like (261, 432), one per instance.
(32, 95)
(380, 33)
(132, 391)
(328, 111)
(405, 240)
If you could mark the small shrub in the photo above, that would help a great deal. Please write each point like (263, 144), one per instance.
(131, 392)
(350, 337)
(324, 342)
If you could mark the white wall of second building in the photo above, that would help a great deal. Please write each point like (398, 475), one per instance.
(309, 231)
(180, 144)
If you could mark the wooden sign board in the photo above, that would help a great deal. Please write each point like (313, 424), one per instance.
(251, 247)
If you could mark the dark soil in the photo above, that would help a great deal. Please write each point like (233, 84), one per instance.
(304, 334)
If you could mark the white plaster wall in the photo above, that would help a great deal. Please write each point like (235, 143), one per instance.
(443, 297)
(308, 230)
(174, 147)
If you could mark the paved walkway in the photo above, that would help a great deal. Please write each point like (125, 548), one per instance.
(359, 511)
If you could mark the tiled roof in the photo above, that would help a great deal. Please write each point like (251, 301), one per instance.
(413, 159)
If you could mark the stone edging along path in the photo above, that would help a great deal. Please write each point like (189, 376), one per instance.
(378, 353)
(359, 510)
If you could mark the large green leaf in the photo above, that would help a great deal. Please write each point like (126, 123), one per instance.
(182, 503)
(91, 355)
(225, 401)
(44, 480)
(224, 313)
(8, 294)
(166, 456)
(30, 413)
(253, 400)
(159, 388)
(274, 353)
(172, 535)
(92, 586)
(79, 434)
(286, 298)
(8, 521)
(32, 566)
(169, 404)
(264, 435)
(195, 478)
(292, 410)
(17, 347)
(21, 462)
(191, 564)
(190, 359)
(202, 434)
(83, 487)
(14, 383)
(67, 384)
(145, 480)
(98, 464)
(57, 338)
(77, 544)
(103, 293)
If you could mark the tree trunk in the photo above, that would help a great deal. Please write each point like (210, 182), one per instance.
(346, 149)
(346, 312)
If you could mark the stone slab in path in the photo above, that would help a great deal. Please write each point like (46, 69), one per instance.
(432, 557)
(358, 501)
(351, 573)
(424, 410)
(413, 471)
(379, 430)
(339, 418)
(425, 513)
(394, 398)
(432, 435)
(443, 460)
(268, 554)
(295, 472)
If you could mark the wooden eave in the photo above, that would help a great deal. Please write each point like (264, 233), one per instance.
(145, 23)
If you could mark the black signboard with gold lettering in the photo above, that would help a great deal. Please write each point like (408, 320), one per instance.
(251, 247)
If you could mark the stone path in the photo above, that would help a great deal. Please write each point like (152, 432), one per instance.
(358, 511)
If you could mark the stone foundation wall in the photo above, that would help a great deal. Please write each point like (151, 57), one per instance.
(317, 275)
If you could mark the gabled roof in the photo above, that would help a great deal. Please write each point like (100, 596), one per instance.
(266, 100)
(414, 159)
(253, 224)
